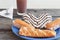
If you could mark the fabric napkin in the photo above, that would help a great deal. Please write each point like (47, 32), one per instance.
(7, 13)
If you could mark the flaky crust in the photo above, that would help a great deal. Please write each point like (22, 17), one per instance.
(25, 31)
(53, 24)
(28, 30)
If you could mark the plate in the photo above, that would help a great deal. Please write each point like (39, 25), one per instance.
(16, 30)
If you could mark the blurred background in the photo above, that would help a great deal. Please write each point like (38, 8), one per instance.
(52, 5)
(32, 4)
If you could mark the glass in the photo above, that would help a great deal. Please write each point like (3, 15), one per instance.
(21, 6)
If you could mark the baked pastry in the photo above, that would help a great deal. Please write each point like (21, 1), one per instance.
(54, 24)
(38, 22)
(26, 31)
(19, 23)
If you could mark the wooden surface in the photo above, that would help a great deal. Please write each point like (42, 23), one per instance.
(6, 24)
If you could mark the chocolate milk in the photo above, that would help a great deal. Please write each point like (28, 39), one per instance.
(21, 6)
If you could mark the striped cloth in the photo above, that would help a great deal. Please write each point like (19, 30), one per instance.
(37, 22)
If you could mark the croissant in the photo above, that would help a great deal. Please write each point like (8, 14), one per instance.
(26, 31)
(54, 24)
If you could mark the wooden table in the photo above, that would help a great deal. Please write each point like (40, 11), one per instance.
(6, 24)
(5, 29)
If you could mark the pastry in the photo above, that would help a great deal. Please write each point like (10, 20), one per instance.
(38, 22)
(54, 24)
(26, 31)
(19, 23)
